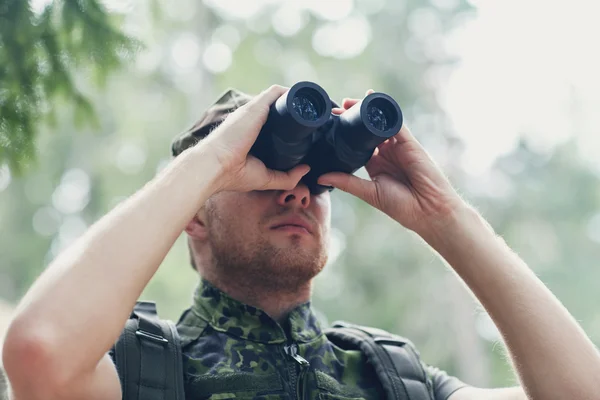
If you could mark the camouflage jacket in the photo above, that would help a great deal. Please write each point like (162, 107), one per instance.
(232, 350)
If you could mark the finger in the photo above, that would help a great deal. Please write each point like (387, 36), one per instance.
(405, 139)
(269, 95)
(261, 102)
(337, 111)
(404, 135)
(347, 103)
(361, 188)
(254, 113)
(285, 180)
(378, 166)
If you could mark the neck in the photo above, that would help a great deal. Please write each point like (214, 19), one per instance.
(276, 301)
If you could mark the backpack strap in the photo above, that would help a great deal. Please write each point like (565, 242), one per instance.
(148, 357)
(394, 358)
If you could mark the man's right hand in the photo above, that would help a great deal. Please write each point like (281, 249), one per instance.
(230, 144)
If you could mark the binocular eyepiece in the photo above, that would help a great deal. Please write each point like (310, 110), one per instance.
(301, 129)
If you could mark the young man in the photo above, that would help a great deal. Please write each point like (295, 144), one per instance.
(258, 237)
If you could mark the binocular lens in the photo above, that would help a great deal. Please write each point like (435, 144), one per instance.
(381, 114)
(309, 104)
(377, 118)
(305, 108)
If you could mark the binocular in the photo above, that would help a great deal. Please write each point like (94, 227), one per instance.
(301, 129)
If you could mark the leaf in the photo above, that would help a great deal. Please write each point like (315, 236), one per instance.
(39, 59)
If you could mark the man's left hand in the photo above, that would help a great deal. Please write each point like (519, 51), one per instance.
(405, 182)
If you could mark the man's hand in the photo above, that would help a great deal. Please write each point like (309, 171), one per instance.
(405, 182)
(232, 140)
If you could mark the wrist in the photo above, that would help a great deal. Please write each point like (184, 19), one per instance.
(203, 168)
(448, 232)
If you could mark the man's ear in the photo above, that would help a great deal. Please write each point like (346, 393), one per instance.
(196, 228)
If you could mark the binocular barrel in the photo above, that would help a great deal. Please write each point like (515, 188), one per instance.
(287, 135)
(301, 129)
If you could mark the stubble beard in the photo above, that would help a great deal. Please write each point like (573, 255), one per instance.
(257, 264)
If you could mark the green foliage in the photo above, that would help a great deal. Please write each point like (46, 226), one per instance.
(40, 56)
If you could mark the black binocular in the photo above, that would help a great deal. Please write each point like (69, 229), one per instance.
(301, 129)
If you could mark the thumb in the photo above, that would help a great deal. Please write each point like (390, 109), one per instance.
(361, 188)
(285, 180)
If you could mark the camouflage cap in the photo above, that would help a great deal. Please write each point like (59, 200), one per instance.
(228, 102)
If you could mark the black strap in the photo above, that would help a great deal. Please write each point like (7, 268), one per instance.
(153, 353)
(395, 360)
(148, 357)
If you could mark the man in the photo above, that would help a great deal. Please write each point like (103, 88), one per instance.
(258, 237)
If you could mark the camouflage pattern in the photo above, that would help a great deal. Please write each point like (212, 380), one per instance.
(227, 103)
(232, 350)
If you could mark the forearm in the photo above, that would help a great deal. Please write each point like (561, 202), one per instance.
(551, 353)
(77, 308)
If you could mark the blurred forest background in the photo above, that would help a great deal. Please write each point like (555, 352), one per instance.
(92, 92)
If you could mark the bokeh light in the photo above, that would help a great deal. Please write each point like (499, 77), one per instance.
(217, 57)
(342, 39)
(73, 193)
(5, 177)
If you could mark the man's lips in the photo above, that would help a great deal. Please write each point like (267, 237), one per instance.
(292, 222)
(292, 228)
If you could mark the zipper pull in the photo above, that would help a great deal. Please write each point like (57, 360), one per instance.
(292, 351)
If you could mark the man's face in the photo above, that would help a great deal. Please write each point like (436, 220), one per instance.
(256, 235)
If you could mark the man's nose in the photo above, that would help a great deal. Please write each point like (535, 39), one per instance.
(297, 197)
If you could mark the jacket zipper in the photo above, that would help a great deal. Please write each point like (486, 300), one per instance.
(292, 351)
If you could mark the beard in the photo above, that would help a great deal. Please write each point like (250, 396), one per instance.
(254, 262)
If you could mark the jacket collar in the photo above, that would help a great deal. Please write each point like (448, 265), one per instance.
(230, 316)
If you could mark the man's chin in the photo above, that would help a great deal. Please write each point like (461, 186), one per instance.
(289, 274)
(302, 261)
(292, 259)
(295, 243)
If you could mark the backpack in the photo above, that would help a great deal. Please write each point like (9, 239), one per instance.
(148, 358)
